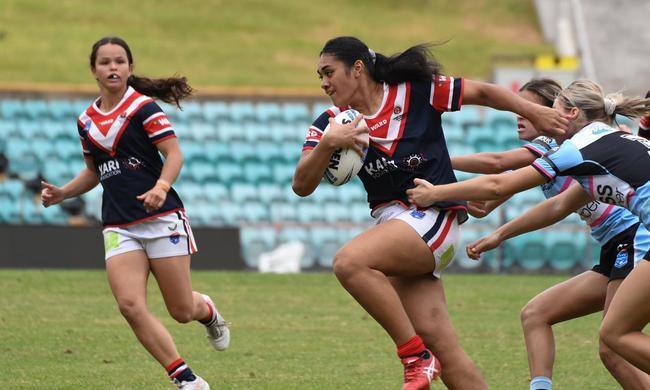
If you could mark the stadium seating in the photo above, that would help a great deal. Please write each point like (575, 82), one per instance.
(240, 158)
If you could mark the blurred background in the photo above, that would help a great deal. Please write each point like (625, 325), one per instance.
(253, 65)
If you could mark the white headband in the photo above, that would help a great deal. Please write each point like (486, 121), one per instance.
(373, 55)
(610, 105)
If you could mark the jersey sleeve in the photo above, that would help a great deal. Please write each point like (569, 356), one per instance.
(446, 93)
(155, 123)
(316, 130)
(81, 128)
(557, 161)
(540, 146)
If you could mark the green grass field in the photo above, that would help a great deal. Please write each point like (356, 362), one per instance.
(62, 330)
(253, 43)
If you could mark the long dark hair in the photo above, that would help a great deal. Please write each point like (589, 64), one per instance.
(414, 64)
(170, 90)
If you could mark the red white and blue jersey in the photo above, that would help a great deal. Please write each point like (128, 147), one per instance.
(122, 145)
(609, 164)
(406, 140)
(605, 220)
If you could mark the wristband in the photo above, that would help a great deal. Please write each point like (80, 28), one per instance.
(163, 185)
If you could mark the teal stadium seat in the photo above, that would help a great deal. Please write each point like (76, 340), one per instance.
(56, 170)
(62, 110)
(242, 111)
(318, 109)
(256, 212)
(266, 112)
(255, 171)
(270, 192)
(360, 212)
(291, 152)
(201, 170)
(255, 241)
(228, 131)
(531, 250)
(43, 148)
(326, 242)
(297, 233)
(12, 109)
(282, 212)
(13, 188)
(243, 192)
(565, 249)
(36, 108)
(215, 111)
(243, 151)
(268, 151)
(325, 193)
(282, 173)
(309, 212)
(468, 235)
(228, 172)
(214, 191)
(334, 212)
(190, 111)
(201, 131)
(296, 112)
(352, 191)
(10, 210)
(216, 151)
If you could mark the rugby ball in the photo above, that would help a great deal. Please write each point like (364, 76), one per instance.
(345, 163)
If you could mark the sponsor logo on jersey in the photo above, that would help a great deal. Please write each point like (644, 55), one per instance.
(106, 122)
(417, 214)
(378, 124)
(87, 126)
(108, 169)
(132, 163)
(172, 227)
(397, 110)
(379, 167)
(412, 162)
(162, 122)
(600, 130)
(175, 238)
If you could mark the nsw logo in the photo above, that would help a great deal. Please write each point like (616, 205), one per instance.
(417, 214)
(175, 238)
(621, 259)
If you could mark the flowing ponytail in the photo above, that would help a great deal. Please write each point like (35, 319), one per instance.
(594, 106)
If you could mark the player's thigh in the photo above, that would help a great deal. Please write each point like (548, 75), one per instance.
(127, 274)
(576, 297)
(173, 277)
(629, 309)
(392, 247)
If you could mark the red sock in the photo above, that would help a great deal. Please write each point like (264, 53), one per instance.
(210, 316)
(414, 346)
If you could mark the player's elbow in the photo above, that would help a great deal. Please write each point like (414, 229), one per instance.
(301, 188)
(496, 188)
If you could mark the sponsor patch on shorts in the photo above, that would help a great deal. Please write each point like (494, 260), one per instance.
(111, 241)
(621, 259)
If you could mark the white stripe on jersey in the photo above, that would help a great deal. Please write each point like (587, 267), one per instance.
(451, 93)
(152, 117)
(151, 135)
(107, 141)
(393, 125)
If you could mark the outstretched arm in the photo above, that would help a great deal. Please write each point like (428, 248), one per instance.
(545, 119)
(544, 214)
(488, 187)
(493, 162)
(85, 181)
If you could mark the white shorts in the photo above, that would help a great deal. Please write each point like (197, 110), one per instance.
(438, 228)
(165, 236)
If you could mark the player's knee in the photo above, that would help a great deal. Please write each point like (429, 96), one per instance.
(607, 336)
(130, 309)
(181, 314)
(609, 358)
(530, 314)
(344, 264)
